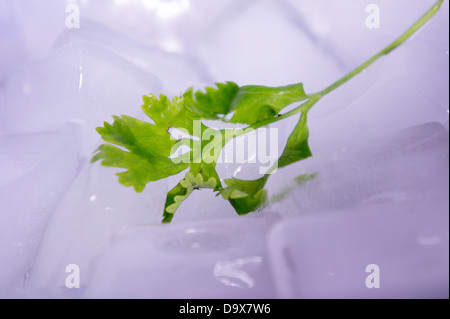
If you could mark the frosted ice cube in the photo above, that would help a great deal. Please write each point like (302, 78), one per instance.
(81, 84)
(209, 259)
(203, 205)
(327, 255)
(341, 26)
(409, 87)
(13, 53)
(261, 45)
(38, 23)
(92, 211)
(203, 19)
(409, 164)
(149, 21)
(410, 84)
(35, 172)
(177, 71)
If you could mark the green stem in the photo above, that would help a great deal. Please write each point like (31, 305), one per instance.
(403, 38)
(314, 98)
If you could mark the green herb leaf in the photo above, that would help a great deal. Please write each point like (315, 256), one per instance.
(147, 158)
(169, 114)
(250, 104)
(214, 103)
(173, 201)
(183, 190)
(148, 147)
(246, 196)
(297, 147)
(249, 204)
(254, 104)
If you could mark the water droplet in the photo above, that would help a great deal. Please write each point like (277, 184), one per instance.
(428, 240)
(190, 231)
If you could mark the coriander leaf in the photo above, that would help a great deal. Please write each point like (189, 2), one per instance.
(213, 103)
(249, 188)
(207, 171)
(253, 103)
(185, 188)
(148, 150)
(180, 114)
(249, 204)
(173, 201)
(246, 196)
(250, 104)
(169, 114)
(297, 147)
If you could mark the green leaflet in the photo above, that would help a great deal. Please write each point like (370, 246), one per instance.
(297, 147)
(246, 196)
(213, 103)
(249, 204)
(251, 104)
(254, 104)
(241, 188)
(183, 190)
(169, 114)
(194, 180)
(148, 149)
(177, 191)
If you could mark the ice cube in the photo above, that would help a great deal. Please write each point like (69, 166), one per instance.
(203, 205)
(397, 250)
(148, 21)
(409, 164)
(79, 83)
(92, 211)
(35, 172)
(177, 71)
(208, 259)
(203, 19)
(38, 23)
(13, 53)
(409, 87)
(261, 45)
(347, 28)
(410, 84)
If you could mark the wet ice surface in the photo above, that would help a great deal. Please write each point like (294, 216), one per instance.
(93, 210)
(220, 259)
(409, 164)
(384, 203)
(36, 171)
(79, 79)
(326, 256)
(381, 153)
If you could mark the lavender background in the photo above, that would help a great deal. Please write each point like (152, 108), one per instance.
(380, 144)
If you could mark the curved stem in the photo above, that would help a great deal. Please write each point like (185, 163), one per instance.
(399, 41)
